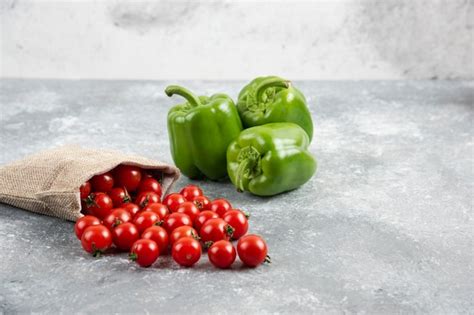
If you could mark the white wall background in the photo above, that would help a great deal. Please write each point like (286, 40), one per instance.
(344, 39)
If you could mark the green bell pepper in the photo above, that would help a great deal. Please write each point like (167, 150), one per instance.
(200, 131)
(272, 99)
(270, 159)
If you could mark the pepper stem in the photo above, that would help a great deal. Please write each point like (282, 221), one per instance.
(270, 82)
(248, 160)
(188, 95)
(240, 174)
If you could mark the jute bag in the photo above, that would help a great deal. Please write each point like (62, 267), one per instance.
(48, 182)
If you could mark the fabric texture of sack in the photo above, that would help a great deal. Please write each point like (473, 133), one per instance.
(48, 182)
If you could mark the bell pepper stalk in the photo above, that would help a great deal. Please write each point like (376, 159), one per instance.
(270, 159)
(200, 130)
(273, 99)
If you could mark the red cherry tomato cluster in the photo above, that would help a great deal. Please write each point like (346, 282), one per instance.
(124, 210)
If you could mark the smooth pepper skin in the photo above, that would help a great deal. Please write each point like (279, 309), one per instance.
(272, 99)
(200, 131)
(270, 159)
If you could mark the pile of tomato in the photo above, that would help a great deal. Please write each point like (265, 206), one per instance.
(124, 211)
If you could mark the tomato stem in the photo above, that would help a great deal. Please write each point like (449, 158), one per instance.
(132, 256)
(267, 260)
(145, 202)
(229, 230)
(95, 251)
(126, 198)
(196, 237)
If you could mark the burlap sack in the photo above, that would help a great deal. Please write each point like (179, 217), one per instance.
(48, 182)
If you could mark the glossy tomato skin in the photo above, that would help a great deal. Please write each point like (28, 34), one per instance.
(145, 219)
(127, 176)
(222, 254)
(146, 174)
(99, 205)
(145, 198)
(132, 208)
(159, 235)
(238, 221)
(102, 183)
(186, 251)
(124, 235)
(96, 239)
(202, 217)
(116, 217)
(175, 220)
(214, 230)
(172, 201)
(252, 250)
(144, 252)
(85, 190)
(83, 223)
(202, 203)
(188, 208)
(182, 231)
(220, 206)
(150, 184)
(119, 196)
(190, 192)
(158, 208)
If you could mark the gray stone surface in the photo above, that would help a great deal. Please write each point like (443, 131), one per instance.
(385, 226)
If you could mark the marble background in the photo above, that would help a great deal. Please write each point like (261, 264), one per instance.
(343, 39)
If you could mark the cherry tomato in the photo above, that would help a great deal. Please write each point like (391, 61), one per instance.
(214, 230)
(158, 208)
(117, 217)
(175, 220)
(145, 219)
(222, 254)
(124, 235)
(102, 183)
(146, 174)
(144, 198)
(186, 251)
(144, 252)
(202, 217)
(132, 208)
(128, 176)
(172, 201)
(159, 235)
(182, 231)
(220, 206)
(202, 202)
(238, 220)
(150, 184)
(119, 196)
(83, 223)
(252, 250)
(99, 205)
(85, 190)
(188, 208)
(96, 239)
(190, 192)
